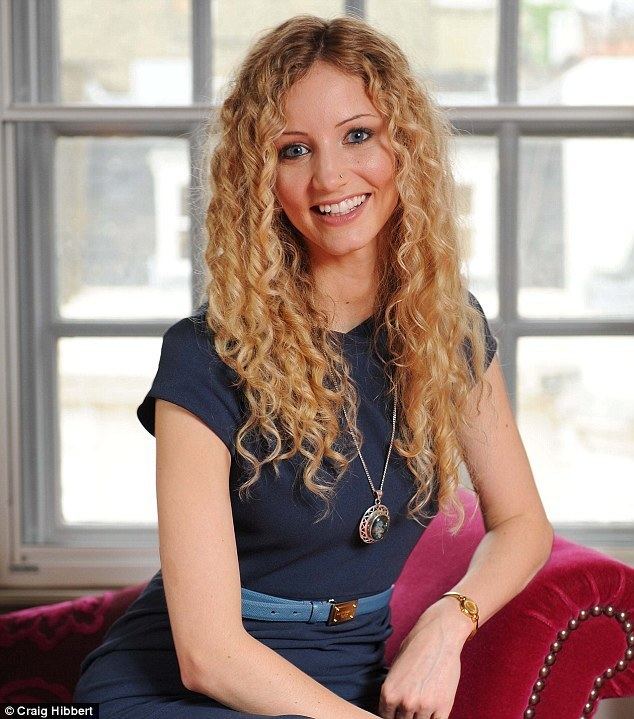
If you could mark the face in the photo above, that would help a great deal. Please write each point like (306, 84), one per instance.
(335, 151)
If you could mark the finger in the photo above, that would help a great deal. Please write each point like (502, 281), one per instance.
(386, 712)
(424, 715)
(389, 709)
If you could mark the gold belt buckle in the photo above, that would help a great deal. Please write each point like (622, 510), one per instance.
(342, 611)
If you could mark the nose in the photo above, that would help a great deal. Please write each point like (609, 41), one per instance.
(328, 171)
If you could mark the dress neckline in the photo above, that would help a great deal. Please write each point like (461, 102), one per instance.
(360, 330)
(357, 330)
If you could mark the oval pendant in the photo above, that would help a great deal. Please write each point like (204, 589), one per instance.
(374, 523)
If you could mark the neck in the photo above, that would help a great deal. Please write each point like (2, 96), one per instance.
(346, 287)
(347, 300)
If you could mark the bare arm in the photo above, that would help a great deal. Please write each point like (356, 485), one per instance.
(519, 536)
(258, 680)
(199, 562)
(424, 676)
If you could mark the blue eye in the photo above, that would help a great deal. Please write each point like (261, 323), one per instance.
(291, 147)
(284, 153)
(361, 130)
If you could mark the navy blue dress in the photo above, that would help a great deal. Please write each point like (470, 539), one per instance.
(134, 672)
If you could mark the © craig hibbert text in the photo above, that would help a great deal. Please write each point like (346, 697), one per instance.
(49, 710)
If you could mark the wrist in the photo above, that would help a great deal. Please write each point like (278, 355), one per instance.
(446, 610)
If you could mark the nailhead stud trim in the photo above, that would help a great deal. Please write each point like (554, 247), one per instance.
(595, 611)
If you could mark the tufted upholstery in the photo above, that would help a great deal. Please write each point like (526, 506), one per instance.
(519, 664)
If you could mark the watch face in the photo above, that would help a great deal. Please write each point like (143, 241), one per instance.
(470, 606)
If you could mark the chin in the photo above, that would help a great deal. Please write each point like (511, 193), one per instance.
(342, 248)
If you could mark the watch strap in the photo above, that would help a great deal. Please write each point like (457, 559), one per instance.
(468, 607)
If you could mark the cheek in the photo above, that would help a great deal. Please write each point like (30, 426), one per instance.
(379, 167)
(387, 167)
(388, 182)
(291, 186)
(284, 192)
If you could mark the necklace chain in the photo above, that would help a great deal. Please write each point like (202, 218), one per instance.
(377, 493)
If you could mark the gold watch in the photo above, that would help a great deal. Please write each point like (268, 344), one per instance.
(468, 607)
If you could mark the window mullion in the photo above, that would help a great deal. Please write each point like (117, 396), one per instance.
(202, 92)
(507, 250)
(38, 345)
(507, 57)
(47, 51)
(355, 7)
(202, 55)
(569, 327)
(560, 121)
(6, 61)
(28, 276)
(197, 209)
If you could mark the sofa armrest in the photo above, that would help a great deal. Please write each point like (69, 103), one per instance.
(557, 648)
(41, 648)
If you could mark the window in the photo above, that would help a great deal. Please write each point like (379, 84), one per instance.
(101, 245)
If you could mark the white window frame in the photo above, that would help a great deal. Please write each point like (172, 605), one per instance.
(77, 560)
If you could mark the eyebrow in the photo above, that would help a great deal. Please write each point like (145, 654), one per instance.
(343, 122)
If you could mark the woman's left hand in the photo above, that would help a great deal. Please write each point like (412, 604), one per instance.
(421, 683)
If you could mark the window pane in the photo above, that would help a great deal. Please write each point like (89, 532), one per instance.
(125, 52)
(578, 52)
(107, 457)
(576, 417)
(576, 228)
(451, 43)
(122, 231)
(476, 173)
(236, 24)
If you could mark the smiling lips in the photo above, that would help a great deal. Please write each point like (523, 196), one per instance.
(347, 214)
(341, 208)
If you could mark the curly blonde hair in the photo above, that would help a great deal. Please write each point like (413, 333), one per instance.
(262, 300)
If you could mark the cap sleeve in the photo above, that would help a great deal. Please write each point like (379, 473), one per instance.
(192, 375)
(490, 341)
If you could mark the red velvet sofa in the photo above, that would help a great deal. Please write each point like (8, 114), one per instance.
(559, 647)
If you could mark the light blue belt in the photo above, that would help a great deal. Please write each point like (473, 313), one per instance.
(256, 605)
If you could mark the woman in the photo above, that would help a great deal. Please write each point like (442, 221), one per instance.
(334, 278)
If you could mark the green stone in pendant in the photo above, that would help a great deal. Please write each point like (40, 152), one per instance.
(379, 527)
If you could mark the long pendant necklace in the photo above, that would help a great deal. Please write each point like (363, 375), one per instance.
(376, 518)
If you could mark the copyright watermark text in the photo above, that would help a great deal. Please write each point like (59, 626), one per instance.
(49, 710)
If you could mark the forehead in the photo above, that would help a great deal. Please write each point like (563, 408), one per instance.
(325, 95)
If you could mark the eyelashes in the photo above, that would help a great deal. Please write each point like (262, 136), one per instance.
(283, 156)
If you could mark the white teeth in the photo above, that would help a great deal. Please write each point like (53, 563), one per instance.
(344, 207)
